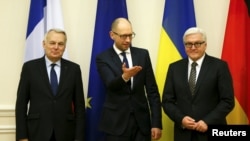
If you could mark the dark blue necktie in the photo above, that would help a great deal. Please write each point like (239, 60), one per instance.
(53, 79)
(125, 60)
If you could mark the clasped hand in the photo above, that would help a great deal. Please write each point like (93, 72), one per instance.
(190, 123)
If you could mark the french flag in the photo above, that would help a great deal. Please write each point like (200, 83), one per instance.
(43, 15)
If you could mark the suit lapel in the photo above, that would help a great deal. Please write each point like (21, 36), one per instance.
(44, 74)
(134, 57)
(116, 61)
(202, 74)
(62, 80)
(185, 76)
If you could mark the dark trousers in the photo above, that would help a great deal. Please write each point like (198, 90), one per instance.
(196, 136)
(132, 133)
(53, 138)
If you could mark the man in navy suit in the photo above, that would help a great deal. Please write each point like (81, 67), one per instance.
(41, 113)
(132, 108)
(213, 95)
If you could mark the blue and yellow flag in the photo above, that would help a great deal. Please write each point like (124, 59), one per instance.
(107, 11)
(178, 16)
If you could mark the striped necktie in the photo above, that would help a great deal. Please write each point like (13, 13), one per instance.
(192, 77)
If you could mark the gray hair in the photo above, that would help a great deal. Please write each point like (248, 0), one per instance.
(194, 30)
(57, 30)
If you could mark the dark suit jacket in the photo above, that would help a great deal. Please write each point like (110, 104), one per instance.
(212, 101)
(143, 99)
(47, 112)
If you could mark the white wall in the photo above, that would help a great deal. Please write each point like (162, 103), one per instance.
(79, 19)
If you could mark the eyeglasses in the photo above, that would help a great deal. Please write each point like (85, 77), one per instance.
(196, 44)
(125, 36)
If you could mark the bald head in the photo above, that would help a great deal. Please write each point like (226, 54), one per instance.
(120, 22)
(122, 33)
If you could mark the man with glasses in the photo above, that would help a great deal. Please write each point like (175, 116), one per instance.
(198, 90)
(132, 108)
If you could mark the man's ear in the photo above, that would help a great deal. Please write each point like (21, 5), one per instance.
(111, 34)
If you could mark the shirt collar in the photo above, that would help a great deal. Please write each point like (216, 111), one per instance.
(119, 51)
(199, 61)
(48, 62)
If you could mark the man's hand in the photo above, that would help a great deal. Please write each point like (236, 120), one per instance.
(23, 140)
(201, 126)
(155, 133)
(189, 123)
(130, 72)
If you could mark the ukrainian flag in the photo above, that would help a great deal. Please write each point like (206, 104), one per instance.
(178, 16)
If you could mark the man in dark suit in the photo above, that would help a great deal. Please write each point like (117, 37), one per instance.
(193, 107)
(132, 108)
(41, 113)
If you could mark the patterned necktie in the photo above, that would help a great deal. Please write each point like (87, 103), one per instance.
(53, 79)
(125, 60)
(192, 77)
